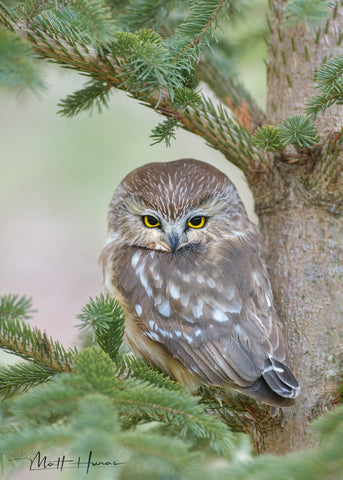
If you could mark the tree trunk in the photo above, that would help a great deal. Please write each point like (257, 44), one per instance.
(300, 205)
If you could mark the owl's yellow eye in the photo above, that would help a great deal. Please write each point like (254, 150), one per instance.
(197, 222)
(150, 221)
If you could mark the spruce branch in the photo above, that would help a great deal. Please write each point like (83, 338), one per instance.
(164, 132)
(17, 337)
(201, 21)
(18, 69)
(96, 14)
(18, 378)
(267, 138)
(133, 397)
(312, 12)
(128, 365)
(145, 13)
(329, 82)
(105, 317)
(298, 130)
(94, 95)
(14, 306)
(35, 7)
(212, 123)
(134, 400)
(93, 426)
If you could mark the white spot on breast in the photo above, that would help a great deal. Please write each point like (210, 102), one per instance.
(152, 335)
(188, 338)
(219, 316)
(165, 333)
(174, 291)
(164, 308)
(256, 278)
(144, 282)
(211, 283)
(198, 332)
(185, 299)
(135, 258)
(233, 307)
(151, 324)
(177, 333)
(156, 276)
(200, 278)
(186, 318)
(269, 303)
(157, 300)
(139, 310)
(197, 311)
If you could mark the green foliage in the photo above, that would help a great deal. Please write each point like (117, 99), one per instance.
(35, 7)
(164, 132)
(15, 306)
(91, 409)
(140, 14)
(319, 463)
(299, 131)
(96, 14)
(94, 95)
(200, 22)
(17, 337)
(148, 64)
(329, 82)
(105, 317)
(312, 12)
(267, 138)
(186, 97)
(18, 69)
(18, 378)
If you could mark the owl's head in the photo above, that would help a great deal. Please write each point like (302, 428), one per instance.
(170, 206)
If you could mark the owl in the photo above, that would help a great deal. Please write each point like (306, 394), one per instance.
(182, 259)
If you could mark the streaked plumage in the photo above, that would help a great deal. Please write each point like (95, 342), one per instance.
(198, 301)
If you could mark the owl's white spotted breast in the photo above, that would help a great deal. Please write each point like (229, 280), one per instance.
(199, 306)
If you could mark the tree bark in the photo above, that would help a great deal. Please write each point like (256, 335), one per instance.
(300, 205)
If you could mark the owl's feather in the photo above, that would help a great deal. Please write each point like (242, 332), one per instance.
(208, 308)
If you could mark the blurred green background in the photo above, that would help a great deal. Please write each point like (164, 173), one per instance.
(58, 175)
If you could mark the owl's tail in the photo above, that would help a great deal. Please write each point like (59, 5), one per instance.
(276, 386)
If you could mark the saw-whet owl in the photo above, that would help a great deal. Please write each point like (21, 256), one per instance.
(182, 258)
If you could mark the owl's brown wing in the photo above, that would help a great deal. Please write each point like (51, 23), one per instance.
(214, 316)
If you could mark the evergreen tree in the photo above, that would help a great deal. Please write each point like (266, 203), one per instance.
(158, 51)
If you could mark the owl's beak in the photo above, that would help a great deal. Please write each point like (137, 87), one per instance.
(174, 242)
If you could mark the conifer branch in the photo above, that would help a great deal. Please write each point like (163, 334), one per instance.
(200, 21)
(329, 82)
(18, 378)
(17, 337)
(145, 13)
(211, 123)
